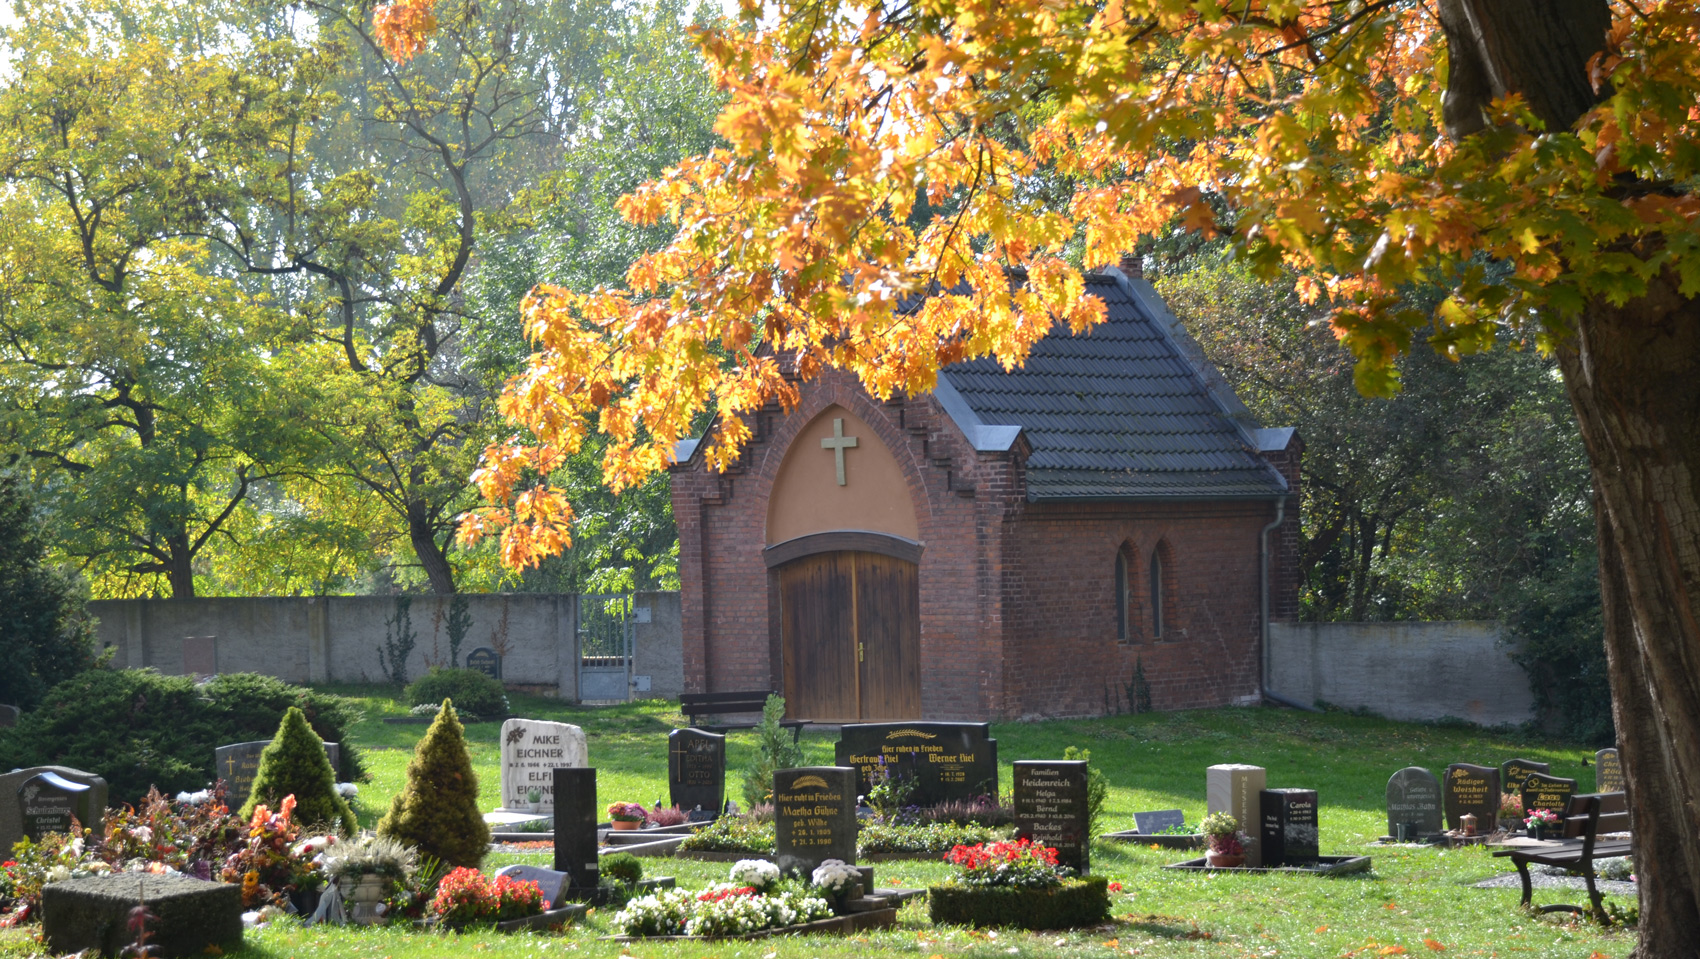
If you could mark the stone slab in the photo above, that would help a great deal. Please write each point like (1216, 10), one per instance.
(551, 882)
(814, 817)
(575, 826)
(1152, 823)
(1050, 808)
(92, 913)
(1289, 829)
(238, 763)
(696, 770)
(1608, 770)
(946, 761)
(11, 811)
(1413, 797)
(1233, 788)
(1541, 791)
(1472, 789)
(1512, 772)
(531, 748)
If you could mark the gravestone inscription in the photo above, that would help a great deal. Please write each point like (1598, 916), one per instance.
(1152, 823)
(1233, 788)
(1050, 808)
(1413, 798)
(1608, 771)
(696, 769)
(574, 792)
(1470, 789)
(1290, 833)
(1512, 772)
(238, 763)
(531, 748)
(11, 806)
(1541, 791)
(50, 803)
(945, 761)
(554, 884)
(485, 660)
(814, 817)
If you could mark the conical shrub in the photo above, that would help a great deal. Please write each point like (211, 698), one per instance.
(437, 811)
(295, 764)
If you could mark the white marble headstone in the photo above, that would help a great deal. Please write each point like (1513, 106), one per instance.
(1234, 788)
(531, 748)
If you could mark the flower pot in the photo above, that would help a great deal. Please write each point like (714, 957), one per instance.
(1222, 860)
(624, 824)
(364, 895)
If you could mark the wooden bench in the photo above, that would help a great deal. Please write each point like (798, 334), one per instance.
(695, 705)
(1588, 815)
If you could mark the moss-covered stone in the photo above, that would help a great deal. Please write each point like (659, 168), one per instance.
(437, 811)
(295, 765)
(93, 913)
(1075, 903)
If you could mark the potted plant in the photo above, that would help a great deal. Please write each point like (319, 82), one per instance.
(1226, 846)
(366, 871)
(1544, 824)
(626, 815)
(838, 883)
(534, 798)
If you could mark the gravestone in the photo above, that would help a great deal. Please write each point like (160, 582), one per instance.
(1050, 808)
(1152, 823)
(1608, 770)
(9, 716)
(814, 817)
(554, 884)
(485, 660)
(192, 917)
(1413, 798)
(238, 763)
(200, 655)
(1234, 788)
(696, 769)
(1474, 790)
(946, 761)
(51, 803)
(1289, 833)
(12, 810)
(531, 748)
(1541, 791)
(575, 827)
(1512, 772)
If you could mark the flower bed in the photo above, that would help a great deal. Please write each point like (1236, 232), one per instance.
(731, 834)
(722, 910)
(922, 841)
(1016, 884)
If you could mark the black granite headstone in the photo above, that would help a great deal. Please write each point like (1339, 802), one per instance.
(1413, 798)
(1512, 772)
(485, 660)
(8, 716)
(696, 769)
(239, 763)
(1541, 791)
(1152, 823)
(1050, 808)
(1471, 789)
(575, 827)
(1289, 831)
(946, 761)
(50, 802)
(814, 817)
(1608, 772)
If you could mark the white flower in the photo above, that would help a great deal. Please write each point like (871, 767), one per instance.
(194, 798)
(758, 874)
(835, 875)
(347, 790)
(142, 834)
(59, 874)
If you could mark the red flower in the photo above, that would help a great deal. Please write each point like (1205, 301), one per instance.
(1115, 887)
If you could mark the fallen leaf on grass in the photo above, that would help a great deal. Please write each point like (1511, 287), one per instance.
(1321, 929)
(1391, 905)
(1112, 944)
(1393, 951)
(1437, 947)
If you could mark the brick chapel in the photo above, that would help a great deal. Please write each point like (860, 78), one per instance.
(1013, 544)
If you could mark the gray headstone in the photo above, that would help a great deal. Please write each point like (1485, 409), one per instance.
(1541, 791)
(1152, 823)
(946, 761)
(238, 763)
(1050, 808)
(9, 716)
(11, 809)
(553, 883)
(1289, 831)
(1512, 772)
(575, 828)
(696, 769)
(1608, 770)
(1413, 797)
(485, 660)
(190, 914)
(531, 748)
(50, 803)
(1234, 788)
(814, 817)
(1471, 789)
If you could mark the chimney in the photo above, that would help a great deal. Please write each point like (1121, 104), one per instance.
(1132, 264)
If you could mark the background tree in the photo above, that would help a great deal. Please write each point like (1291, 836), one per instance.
(45, 636)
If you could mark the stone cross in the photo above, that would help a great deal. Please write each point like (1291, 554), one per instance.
(838, 443)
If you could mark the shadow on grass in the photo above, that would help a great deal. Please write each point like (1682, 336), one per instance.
(1165, 927)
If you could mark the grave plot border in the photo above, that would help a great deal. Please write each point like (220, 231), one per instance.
(1076, 903)
(707, 855)
(1165, 840)
(1324, 866)
(837, 925)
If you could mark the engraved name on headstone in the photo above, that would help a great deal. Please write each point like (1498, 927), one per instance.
(1152, 823)
(485, 660)
(531, 748)
(1050, 808)
(1474, 790)
(696, 770)
(89, 810)
(1541, 791)
(1512, 772)
(49, 803)
(814, 817)
(946, 761)
(1289, 829)
(1233, 788)
(1608, 771)
(1413, 798)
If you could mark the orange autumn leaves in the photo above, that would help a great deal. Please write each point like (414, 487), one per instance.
(879, 150)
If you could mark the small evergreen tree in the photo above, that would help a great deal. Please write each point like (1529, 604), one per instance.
(776, 752)
(295, 764)
(45, 636)
(436, 812)
(1097, 787)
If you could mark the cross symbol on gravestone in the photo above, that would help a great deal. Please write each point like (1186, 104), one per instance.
(838, 443)
(230, 764)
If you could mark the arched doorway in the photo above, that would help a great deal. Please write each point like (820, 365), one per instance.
(851, 636)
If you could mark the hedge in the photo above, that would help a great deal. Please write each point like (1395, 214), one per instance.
(1075, 903)
(474, 693)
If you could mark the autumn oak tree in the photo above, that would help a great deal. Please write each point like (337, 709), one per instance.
(1537, 161)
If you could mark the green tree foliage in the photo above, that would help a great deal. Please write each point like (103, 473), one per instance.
(436, 812)
(1097, 786)
(478, 694)
(775, 750)
(295, 764)
(45, 635)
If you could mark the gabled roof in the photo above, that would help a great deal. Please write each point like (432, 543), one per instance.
(1129, 410)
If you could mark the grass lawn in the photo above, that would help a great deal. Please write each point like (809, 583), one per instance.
(1414, 902)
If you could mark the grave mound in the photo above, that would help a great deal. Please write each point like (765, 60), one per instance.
(93, 913)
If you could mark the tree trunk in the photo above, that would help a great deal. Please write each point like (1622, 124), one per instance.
(422, 533)
(1633, 374)
(180, 570)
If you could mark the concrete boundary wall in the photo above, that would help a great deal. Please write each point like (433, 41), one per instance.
(1410, 671)
(335, 639)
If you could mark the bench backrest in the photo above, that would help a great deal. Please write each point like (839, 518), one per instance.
(723, 702)
(1604, 812)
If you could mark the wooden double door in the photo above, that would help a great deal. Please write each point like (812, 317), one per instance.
(851, 637)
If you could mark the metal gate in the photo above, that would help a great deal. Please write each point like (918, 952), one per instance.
(606, 647)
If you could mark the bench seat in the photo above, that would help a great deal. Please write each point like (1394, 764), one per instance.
(1587, 821)
(695, 705)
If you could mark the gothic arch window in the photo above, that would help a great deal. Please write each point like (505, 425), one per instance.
(1124, 591)
(1157, 573)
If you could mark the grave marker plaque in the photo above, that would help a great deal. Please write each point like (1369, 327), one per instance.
(1541, 791)
(696, 769)
(1233, 788)
(1152, 823)
(575, 826)
(531, 748)
(814, 817)
(1289, 831)
(485, 660)
(946, 761)
(1608, 771)
(1413, 798)
(9, 716)
(1050, 808)
(1471, 789)
(11, 806)
(50, 803)
(200, 655)
(1512, 772)
(238, 763)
